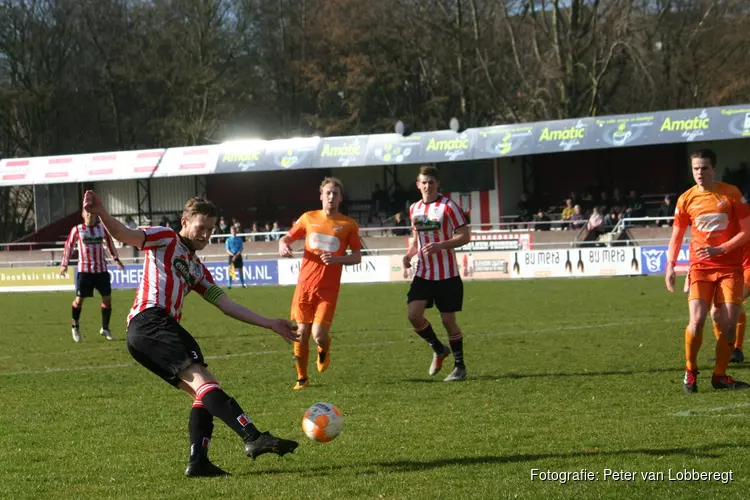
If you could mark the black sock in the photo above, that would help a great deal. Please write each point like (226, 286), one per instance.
(201, 427)
(457, 346)
(428, 334)
(227, 410)
(76, 314)
(106, 315)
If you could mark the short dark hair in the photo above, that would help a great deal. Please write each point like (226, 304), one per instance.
(199, 205)
(705, 153)
(429, 170)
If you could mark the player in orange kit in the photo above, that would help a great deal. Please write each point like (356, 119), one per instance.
(720, 220)
(327, 235)
(739, 336)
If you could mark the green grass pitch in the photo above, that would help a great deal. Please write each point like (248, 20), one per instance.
(564, 375)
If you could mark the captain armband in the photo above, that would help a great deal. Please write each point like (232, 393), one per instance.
(213, 294)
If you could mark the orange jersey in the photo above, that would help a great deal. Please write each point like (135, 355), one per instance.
(324, 234)
(714, 215)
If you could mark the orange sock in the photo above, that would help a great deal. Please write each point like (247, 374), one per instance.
(717, 330)
(301, 356)
(739, 335)
(692, 346)
(723, 354)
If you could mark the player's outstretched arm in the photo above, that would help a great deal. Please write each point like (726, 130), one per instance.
(284, 328)
(118, 230)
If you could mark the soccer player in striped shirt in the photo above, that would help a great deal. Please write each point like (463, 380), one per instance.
(89, 239)
(439, 226)
(157, 341)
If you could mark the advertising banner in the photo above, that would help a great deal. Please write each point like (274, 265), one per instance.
(194, 160)
(370, 270)
(343, 151)
(687, 125)
(623, 130)
(242, 156)
(471, 266)
(297, 153)
(255, 272)
(387, 149)
(654, 259)
(447, 145)
(733, 121)
(616, 261)
(35, 279)
(562, 135)
(504, 140)
(497, 241)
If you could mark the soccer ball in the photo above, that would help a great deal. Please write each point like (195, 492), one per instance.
(322, 422)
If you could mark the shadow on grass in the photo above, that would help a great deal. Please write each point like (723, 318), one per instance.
(390, 466)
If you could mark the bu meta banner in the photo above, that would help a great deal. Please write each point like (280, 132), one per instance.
(370, 270)
(654, 259)
(618, 261)
(255, 272)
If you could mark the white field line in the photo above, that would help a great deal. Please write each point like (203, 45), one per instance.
(706, 412)
(557, 329)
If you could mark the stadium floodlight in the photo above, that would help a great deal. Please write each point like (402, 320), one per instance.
(402, 129)
(456, 126)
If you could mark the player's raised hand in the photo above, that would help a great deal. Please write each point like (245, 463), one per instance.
(286, 329)
(92, 203)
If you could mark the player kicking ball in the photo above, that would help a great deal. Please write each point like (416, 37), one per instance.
(157, 341)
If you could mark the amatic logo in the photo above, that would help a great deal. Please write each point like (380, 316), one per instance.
(690, 128)
(568, 138)
(452, 147)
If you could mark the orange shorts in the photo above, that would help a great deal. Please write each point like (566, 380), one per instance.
(314, 305)
(746, 273)
(718, 286)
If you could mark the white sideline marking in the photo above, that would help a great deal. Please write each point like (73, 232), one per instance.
(369, 344)
(697, 412)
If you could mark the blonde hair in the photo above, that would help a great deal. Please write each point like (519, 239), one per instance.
(332, 180)
(199, 205)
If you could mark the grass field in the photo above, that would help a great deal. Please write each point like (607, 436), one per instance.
(565, 375)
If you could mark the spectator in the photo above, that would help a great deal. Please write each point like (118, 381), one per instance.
(254, 236)
(400, 222)
(577, 219)
(666, 209)
(268, 236)
(587, 202)
(542, 221)
(567, 213)
(617, 198)
(611, 218)
(276, 230)
(595, 225)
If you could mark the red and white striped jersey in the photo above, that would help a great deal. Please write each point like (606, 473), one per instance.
(435, 222)
(90, 241)
(170, 271)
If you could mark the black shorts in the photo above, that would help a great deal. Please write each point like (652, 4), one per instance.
(447, 294)
(158, 342)
(87, 282)
(236, 261)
